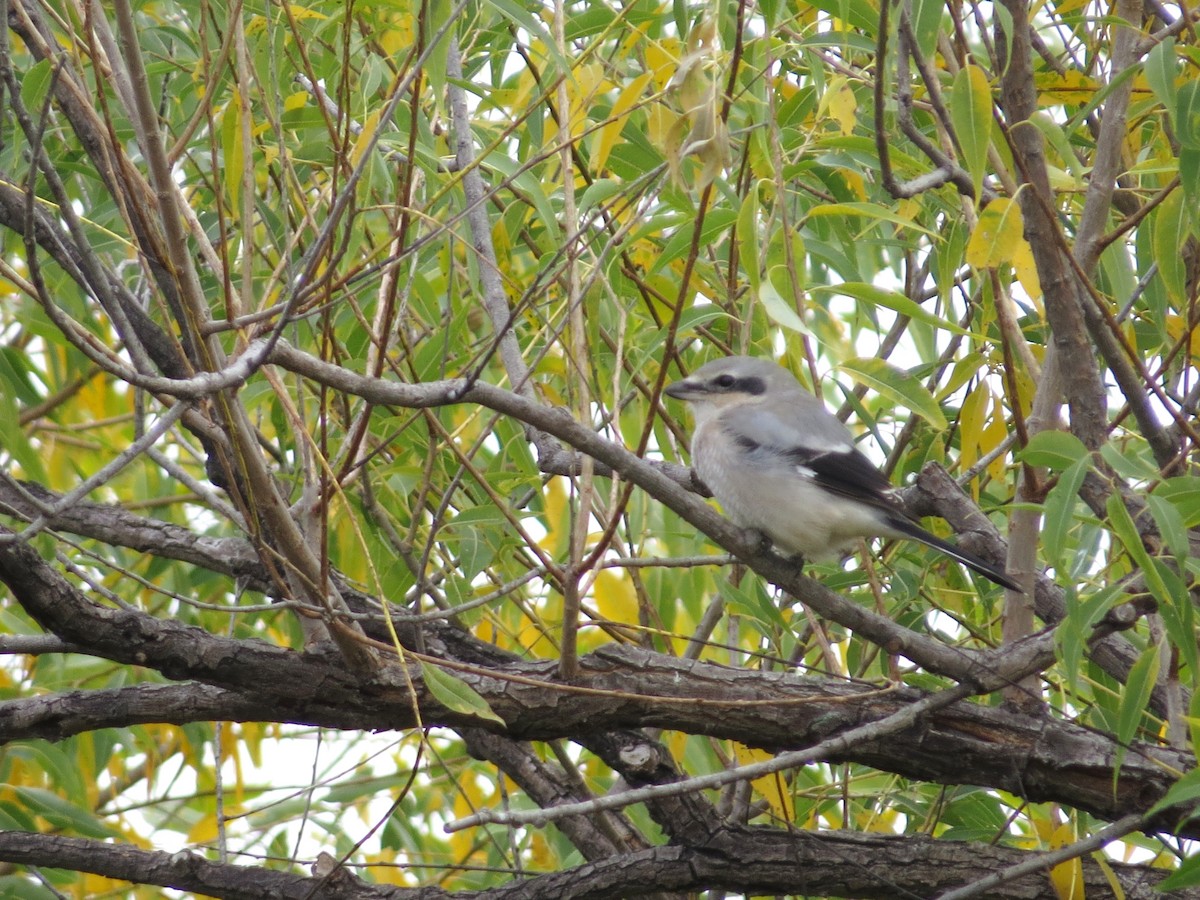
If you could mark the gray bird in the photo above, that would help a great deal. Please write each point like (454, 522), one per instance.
(780, 463)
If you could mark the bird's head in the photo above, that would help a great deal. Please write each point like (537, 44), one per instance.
(732, 381)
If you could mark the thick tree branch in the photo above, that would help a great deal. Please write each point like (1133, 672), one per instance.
(749, 860)
(1018, 99)
(619, 688)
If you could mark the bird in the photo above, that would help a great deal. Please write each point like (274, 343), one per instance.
(781, 464)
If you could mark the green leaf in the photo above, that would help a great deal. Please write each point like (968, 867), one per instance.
(699, 314)
(1189, 176)
(1187, 114)
(1184, 792)
(780, 312)
(785, 250)
(1134, 700)
(948, 257)
(971, 113)
(35, 84)
(455, 694)
(1059, 511)
(927, 21)
(533, 188)
(1187, 875)
(716, 223)
(436, 63)
(858, 14)
(1123, 526)
(1057, 450)
(1160, 72)
(599, 191)
(1073, 634)
(749, 600)
(866, 210)
(1184, 494)
(897, 385)
(1057, 138)
(748, 239)
(526, 20)
(893, 300)
(1005, 19)
(1170, 525)
(1178, 617)
(61, 813)
(13, 440)
(15, 372)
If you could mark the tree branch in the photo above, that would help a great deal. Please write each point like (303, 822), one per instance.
(846, 864)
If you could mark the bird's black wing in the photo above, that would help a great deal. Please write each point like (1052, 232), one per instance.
(821, 448)
(845, 472)
(802, 435)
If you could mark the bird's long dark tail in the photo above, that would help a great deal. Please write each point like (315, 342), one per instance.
(970, 560)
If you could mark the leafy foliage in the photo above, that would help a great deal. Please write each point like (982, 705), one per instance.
(332, 348)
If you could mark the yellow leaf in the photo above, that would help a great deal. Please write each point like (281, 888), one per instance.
(386, 870)
(231, 147)
(251, 738)
(365, 137)
(101, 886)
(204, 831)
(586, 83)
(855, 182)
(1026, 270)
(971, 417)
(557, 519)
(999, 239)
(770, 787)
(840, 104)
(1071, 86)
(662, 58)
(1067, 877)
(608, 136)
(398, 35)
(615, 597)
(994, 434)
(300, 12)
(541, 854)
(677, 744)
(663, 129)
(526, 87)
(983, 430)
(996, 235)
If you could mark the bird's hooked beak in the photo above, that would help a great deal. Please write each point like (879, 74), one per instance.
(687, 389)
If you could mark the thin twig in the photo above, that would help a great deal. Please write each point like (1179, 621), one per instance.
(1044, 861)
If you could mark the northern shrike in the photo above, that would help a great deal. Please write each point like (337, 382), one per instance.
(780, 463)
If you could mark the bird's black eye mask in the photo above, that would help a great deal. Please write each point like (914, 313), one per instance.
(750, 384)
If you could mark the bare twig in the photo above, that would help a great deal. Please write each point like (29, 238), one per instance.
(1045, 861)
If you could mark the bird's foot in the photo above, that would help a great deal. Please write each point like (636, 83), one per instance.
(797, 560)
(763, 544)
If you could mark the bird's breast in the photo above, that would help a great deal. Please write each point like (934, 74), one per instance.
(765, 491)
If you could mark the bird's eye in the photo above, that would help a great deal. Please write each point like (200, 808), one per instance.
(724, 381)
